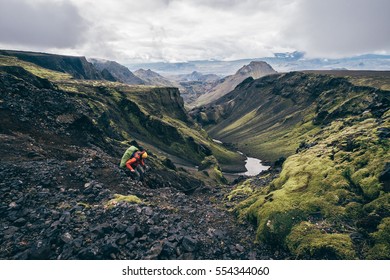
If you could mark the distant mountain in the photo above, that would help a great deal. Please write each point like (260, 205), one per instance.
(194, 84)
(281, 62)
(77, 66)
(254, 69)
(118, 71)
(153, 78)
(196, 76)
(290, 55)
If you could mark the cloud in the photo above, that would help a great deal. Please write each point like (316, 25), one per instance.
(175, 30)
(182, 30)
(337, 28)
(48, 24)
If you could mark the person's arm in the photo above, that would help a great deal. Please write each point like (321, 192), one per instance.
(129, 163)
(142, 162)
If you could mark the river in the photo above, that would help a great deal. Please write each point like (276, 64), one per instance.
(253, 165)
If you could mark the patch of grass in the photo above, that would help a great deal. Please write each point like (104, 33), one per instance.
(244, 189)
(306, 241)
(85, 205)
(118, 198)
(381, 248)
(210, 167)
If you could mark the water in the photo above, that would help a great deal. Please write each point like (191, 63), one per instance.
(253, 167)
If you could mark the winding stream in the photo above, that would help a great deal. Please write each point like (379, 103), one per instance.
(253, 165)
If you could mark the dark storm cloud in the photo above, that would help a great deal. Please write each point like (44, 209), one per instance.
(41, 23)
(342, 27)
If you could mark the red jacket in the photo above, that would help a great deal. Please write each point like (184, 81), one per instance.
(135, 160)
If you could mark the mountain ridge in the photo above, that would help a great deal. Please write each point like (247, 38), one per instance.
(282, 62)
(118, 71)
(254, 69)
(152, 78)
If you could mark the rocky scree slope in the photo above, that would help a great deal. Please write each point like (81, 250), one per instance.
(331, 199)
(64, 197)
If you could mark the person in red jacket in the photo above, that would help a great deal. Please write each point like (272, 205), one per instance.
(136, 164)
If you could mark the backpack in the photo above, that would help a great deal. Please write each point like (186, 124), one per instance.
(128, 155)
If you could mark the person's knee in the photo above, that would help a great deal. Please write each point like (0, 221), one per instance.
(140, 169)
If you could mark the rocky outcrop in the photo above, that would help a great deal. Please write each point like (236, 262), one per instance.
(153, 78)
(118, 71)
(169, 101)
(78, 67)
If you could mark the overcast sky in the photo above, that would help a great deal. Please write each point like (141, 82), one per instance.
(182, 30)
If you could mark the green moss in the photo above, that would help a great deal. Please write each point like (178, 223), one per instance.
(354, 211)
(132, 199)
(209, 166)
(243, 189)
(85, 205)
(381, 205)
(306, 241)
(208, 162)
(218, 176)
(381, 248)
(275, 226)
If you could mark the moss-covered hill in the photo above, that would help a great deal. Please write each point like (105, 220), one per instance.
(331, 199)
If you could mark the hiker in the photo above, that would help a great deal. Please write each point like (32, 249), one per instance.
(133, 160)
